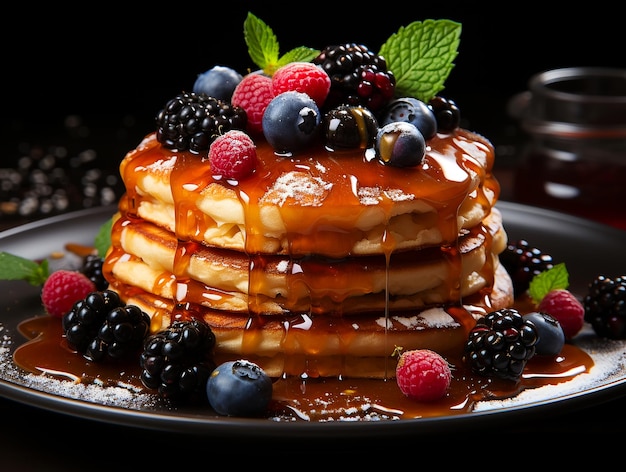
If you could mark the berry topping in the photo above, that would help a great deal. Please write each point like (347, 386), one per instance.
(400, 144)
(178, 360)
(303, 77)
(548, 290)
(423, 375)
(253, 94)
(349, 127)
(62, 289)
(358, 76)
(566, 308)
(500, 344)
(239, 388)
(92, 268)
(551, 336)
(192, 121)
(412, 111)
(233, 155)
(291, 121)
(605, 306)
(447, 114)
(101, 326)
(218, 82)
(523, 262)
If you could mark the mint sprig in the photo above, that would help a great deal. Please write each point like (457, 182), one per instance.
(552, 279)
(421, 57)
(14, 267)
(264, 48)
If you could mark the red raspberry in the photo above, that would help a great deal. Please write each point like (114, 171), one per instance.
(233, 155)
(62, 289)
(304, 77)
(566, 308)
(253, 94)
(423, 375)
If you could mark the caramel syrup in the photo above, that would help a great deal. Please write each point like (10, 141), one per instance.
(319, 227)
(309, 399)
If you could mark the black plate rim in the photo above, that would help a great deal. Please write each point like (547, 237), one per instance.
(197, 424)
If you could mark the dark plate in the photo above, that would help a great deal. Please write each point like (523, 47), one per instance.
(587, 248)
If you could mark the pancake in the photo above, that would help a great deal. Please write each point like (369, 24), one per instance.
(322, 266)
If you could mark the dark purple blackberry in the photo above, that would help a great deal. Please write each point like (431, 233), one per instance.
(500, 344)
(349, 127)
(523, 262)
(192, 121)
(447, 114)
(101, 326)
(605, 306)
(92, 268)
(358, 76)
(178, 360)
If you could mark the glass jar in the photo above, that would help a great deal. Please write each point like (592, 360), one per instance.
(575, 158)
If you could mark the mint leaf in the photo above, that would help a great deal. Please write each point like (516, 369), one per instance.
(421, 57)
(299, 54)
(264, 49)
(552, 279)
(102, 241)
(262, 43)
(14, 267)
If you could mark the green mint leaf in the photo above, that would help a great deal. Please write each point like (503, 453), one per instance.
(552, 279)
(102, 241)
(262, 44)
(421, 57)
(264, 48)
(14, 267)
(299, 54)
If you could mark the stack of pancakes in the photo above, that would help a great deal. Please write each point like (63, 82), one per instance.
(318, 265)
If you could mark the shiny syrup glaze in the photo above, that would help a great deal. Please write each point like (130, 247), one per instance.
(313, 399)
(320, 231)
(446, 176)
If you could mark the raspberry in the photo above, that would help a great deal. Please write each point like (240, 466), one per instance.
(304, 77)
(562, 305)
(233, 155)
(423, 375)
(62, 289)
(253, 94)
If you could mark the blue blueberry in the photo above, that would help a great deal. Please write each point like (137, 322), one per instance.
(218, 82)
(400, 144)
(551, 335)
(412, 111)
(291, 121)
(349, 127)
(239, 388)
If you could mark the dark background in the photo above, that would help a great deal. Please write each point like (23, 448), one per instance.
(95, 79)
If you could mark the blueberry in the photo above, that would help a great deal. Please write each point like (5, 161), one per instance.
(400, 144)
(412, 111)
(218, 82)
(239, 388)
(291, 121)
(551, 335)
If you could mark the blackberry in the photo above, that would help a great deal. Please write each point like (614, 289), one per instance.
(101, 326)
(523, 262)
(605, 306)
(358, 76)
(500, 344)
(92, 268)
(447, 114)
(191, 121)
(178, 360)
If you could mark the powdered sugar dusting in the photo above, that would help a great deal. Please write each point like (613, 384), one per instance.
(304, 189)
